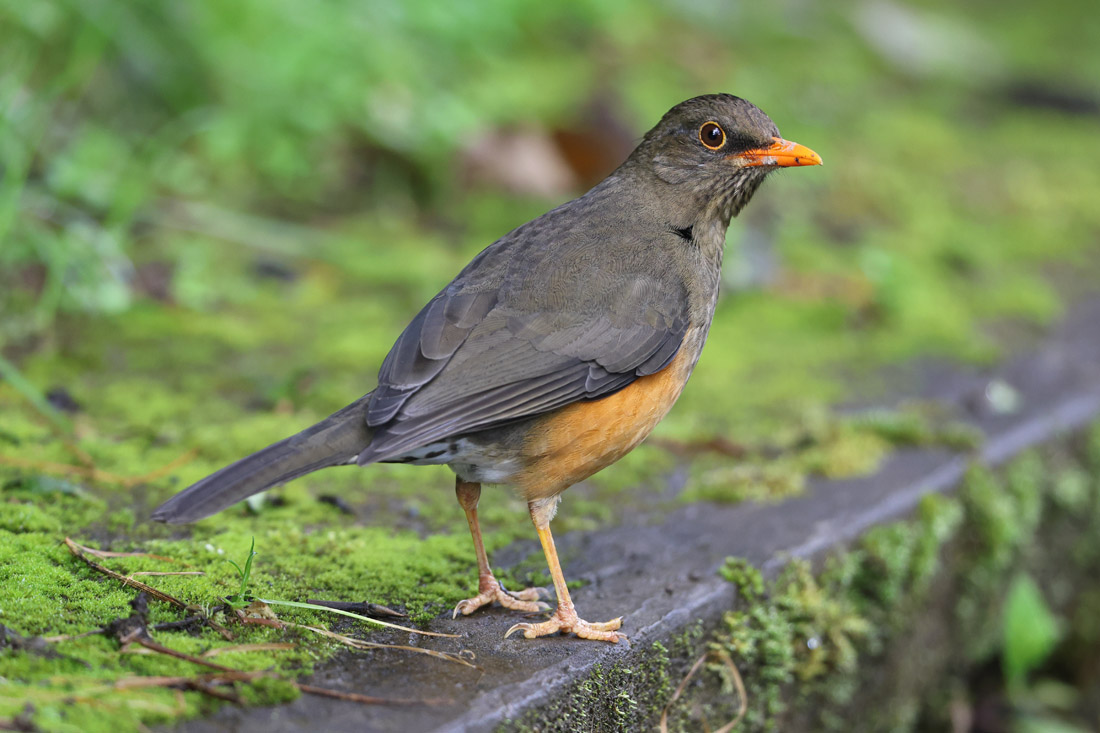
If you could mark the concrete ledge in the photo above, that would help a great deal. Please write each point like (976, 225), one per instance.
(662, 574)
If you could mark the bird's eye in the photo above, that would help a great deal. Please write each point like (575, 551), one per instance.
(712, 135)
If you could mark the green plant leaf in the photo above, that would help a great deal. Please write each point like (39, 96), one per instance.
(241, 598)
(1030, 630)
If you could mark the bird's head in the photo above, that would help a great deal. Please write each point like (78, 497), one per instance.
(715, 151)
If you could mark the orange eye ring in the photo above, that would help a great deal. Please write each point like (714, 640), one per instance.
(712, 135)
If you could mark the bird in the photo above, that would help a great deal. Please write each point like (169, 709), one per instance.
(556, 350)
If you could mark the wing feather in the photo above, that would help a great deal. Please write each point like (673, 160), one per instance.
(493, 348)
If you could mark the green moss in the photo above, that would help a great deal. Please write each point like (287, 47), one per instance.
(761, 639)
(748, 580)
(80, 696)
(44, 590)
(817, 444)
(939, 519)
(269, 691)
(833, 632)
(1092, 450)
(620, 696)
(914, 425)
(802, 629)
(744, 482)
(1071, 490)
(887, 555)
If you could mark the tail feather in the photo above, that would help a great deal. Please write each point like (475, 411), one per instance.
(336, 440)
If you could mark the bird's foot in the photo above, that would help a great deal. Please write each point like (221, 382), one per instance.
(566, 621)
(489, 589)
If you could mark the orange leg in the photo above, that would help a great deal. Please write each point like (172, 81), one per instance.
(489, 588)
(565, 617)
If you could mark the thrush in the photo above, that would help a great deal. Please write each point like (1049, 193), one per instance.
(556, 350)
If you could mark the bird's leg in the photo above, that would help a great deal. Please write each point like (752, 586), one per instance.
(489, 588)
(565, 617)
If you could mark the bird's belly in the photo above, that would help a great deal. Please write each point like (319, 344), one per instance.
(571, 444)
(544, 455)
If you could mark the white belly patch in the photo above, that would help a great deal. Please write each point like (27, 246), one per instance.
(471, 462)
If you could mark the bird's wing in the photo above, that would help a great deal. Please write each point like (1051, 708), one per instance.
(476, 358)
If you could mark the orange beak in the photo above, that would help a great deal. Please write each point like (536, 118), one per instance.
(780, 153)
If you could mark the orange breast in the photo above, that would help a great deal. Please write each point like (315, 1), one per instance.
(573, 443)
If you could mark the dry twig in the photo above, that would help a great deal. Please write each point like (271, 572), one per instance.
(108, 553)
(366, 699)
(207, 683)
(359, 644)
(168, 651)
(330, 609)
(129, 683)
(77, 550)
(271, 646)
(722, 656)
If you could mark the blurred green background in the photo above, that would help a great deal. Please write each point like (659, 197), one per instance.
(249, 200)
(215, 218)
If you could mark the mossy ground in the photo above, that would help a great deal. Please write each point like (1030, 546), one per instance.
(942, 209)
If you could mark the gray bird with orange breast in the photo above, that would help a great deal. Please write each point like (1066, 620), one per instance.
(557, 349)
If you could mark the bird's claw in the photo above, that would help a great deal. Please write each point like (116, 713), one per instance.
(566, 622)
(489, 590)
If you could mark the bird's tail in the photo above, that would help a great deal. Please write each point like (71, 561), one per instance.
(336, 440)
